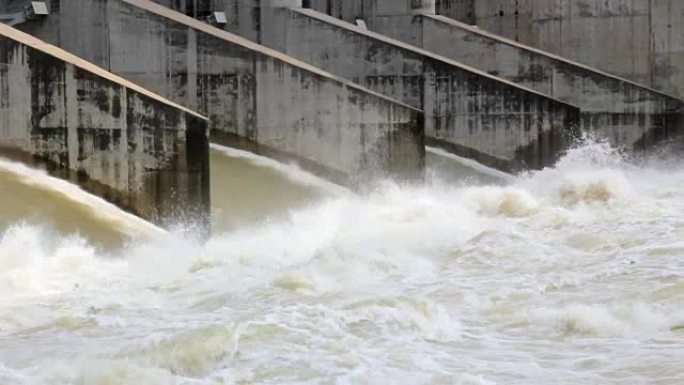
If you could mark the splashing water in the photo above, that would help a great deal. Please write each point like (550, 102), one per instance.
(573, 274)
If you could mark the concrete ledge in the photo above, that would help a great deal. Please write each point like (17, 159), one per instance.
(257, 94)
(113, 138)
(615, 108)
(464, 107)
(641, 40)
(553, 59)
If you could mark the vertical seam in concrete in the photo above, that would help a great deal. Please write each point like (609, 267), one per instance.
(284, 26)
(422, 31)
(560, 32)
(517, 21)
(259, 38)
(651, 37)
(71, 112)
(255, 101)
(123, 141)
(109, 38)
(635, 70)
(191, 69)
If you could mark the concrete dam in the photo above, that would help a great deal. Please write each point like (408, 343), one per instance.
(318, 192)
(124, 96)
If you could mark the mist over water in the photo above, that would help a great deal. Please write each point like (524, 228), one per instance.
(573, 274)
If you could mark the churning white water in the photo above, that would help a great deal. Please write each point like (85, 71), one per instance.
(571, 275)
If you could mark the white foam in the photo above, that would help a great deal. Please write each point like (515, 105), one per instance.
(592, 173)
(102, 371)
(430, 284)
(637, 319)
(12, 377)
(34, 262)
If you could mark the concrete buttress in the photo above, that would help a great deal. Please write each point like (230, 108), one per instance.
(108, 135)
(256, 98)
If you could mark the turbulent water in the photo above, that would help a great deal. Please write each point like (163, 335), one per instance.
(570, 275)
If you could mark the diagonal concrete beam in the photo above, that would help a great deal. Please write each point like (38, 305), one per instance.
(255, 97)
(112, 137)
(630, 115)
(467, 111)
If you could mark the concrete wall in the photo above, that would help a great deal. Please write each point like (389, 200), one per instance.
(243, 17)
(256, 98)
(463, 10)
(629, 114)
(111, 137)
(351, 9)
(12, 6)
(642, 40)
(466, 111)
(667, 45)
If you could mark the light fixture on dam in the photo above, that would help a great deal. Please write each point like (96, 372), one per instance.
(36, 10)
(217, 18)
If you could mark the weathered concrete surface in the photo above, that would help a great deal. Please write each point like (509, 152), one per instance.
(641, 40)
(243, 18)
(463, 10)
(467, 111)
(113, 138)
(12, 6)
(351, 9)
(629, 114)
(256, 98)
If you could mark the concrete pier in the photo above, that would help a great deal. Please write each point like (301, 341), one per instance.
(640, 40)
(630, 115)
(108, 135)
(256, 98)
(466, 110)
